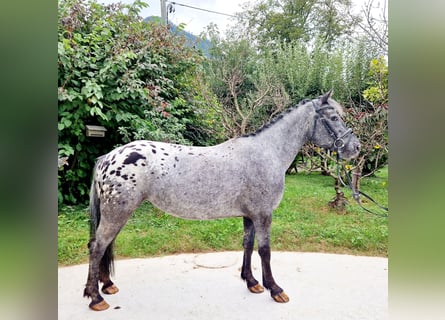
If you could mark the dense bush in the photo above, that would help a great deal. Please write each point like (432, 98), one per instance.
(138, 80)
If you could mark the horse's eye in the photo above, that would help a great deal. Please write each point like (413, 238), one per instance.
(334, 118)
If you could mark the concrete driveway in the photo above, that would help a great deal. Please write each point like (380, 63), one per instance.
(208, 286)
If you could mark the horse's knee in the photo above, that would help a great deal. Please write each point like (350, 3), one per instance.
(264, 252)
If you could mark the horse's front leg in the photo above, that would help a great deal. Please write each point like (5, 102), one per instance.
(246, 270)
(262, 227)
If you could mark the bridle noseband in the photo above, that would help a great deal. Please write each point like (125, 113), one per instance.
(339, 142)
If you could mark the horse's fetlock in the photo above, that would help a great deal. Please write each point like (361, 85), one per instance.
(275, 290)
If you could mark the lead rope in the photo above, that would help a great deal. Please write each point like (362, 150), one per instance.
(356, 193)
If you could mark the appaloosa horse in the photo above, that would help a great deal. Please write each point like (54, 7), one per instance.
(242, 177)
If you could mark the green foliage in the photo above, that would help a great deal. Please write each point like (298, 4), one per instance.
(371, 122)
(286, 73)
(135, 79)
(377, 92)
(285, 21)
(233, 75)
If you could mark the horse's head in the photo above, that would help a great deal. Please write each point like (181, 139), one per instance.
(330, 131)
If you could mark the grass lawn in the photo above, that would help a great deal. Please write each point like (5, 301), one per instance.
(302, 222)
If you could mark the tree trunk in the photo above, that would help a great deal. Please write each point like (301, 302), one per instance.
(339, 202)
(356, 174)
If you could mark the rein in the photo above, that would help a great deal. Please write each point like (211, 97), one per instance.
(356, 193)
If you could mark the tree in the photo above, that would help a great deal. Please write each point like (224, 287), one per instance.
(374, 25)
(371, 121)
(283, 21)
(248, 92)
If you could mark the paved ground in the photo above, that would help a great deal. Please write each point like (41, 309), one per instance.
(208, 286)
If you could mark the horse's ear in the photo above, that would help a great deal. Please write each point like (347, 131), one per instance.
(324, 98)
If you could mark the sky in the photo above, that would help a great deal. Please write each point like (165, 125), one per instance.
(196, 20)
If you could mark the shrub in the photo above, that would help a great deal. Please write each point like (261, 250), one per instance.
(136, 79)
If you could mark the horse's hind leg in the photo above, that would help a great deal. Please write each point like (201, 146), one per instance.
(105, 234)
(246, 270)
(105, 266)
(262, 227)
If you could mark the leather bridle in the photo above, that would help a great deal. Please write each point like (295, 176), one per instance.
(339, 141)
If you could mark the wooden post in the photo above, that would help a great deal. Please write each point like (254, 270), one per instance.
(164, 11)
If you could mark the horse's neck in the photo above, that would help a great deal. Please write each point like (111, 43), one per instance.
(285, 137)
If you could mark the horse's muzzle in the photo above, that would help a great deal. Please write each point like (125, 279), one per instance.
(350, 149)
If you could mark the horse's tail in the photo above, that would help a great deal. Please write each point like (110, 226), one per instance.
(107, 261)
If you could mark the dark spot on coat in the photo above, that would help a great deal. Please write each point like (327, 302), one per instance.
(133, 157)
(105, 165)
(118, 173)
(112, 172)
(153, 150)
(125, 177)
(165, 154)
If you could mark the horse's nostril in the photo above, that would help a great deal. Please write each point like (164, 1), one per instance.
(357, 147)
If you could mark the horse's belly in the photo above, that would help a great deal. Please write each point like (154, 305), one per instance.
(199, 204)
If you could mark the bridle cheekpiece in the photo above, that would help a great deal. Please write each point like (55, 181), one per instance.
(339, 141)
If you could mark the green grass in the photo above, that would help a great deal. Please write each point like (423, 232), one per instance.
(302, 222)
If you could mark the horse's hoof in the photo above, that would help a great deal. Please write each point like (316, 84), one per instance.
(256, 288)
(100, 306)
(281, 297)
(110, 290)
